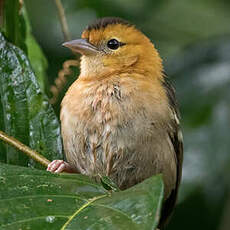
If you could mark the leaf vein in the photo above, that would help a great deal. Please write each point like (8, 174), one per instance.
(89, 202)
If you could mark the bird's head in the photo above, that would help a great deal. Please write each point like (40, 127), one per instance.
(113, 45)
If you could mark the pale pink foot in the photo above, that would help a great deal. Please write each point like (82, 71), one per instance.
(58, 166)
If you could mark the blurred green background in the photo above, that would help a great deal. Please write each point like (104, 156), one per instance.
(193, 38)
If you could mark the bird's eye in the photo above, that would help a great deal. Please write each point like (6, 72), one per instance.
(113, 44)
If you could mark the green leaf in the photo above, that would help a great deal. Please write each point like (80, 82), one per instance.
(34, 199)
(26, 113)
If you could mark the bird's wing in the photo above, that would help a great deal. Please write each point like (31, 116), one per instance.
(176, 138)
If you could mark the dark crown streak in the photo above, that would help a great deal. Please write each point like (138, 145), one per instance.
(104, 22)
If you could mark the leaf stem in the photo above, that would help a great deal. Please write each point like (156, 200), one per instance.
(64, 25)
(25, 149)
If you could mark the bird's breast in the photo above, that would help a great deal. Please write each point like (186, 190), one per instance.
(90, 117)
(115, 128)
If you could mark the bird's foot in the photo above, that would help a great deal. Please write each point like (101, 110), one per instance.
(58, 166)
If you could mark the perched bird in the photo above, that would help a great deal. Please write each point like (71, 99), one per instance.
(120, 117)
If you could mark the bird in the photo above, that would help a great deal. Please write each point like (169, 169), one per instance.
(120, 118)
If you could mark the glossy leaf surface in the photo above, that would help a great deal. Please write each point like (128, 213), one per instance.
(34, 199)
(25, 111)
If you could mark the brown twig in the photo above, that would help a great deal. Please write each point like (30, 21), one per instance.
(60, 81)
(63, 21)
(25, 149)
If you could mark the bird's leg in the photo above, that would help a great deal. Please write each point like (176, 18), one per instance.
(58, 166)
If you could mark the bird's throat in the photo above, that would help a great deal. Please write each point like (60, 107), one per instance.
(92, 67)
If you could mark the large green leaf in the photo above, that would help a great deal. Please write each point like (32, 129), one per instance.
(35, 199)
(25, 111)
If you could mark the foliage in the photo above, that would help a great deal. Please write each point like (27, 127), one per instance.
(25, 111)
(34, 199)
(198, 67)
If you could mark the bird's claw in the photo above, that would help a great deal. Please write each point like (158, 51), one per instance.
(58, 166)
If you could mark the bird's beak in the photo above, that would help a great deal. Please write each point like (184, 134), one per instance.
(81, 46)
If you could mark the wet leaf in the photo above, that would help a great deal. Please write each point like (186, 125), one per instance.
(26, 113)
(34, 199)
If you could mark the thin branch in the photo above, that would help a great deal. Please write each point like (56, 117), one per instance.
(63, 21)
(25, 149)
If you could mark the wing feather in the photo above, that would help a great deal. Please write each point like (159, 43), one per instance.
(176, 138)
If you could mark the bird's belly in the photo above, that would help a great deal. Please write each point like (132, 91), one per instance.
(127, 147)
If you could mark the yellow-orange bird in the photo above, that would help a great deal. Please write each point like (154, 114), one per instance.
(120, 117)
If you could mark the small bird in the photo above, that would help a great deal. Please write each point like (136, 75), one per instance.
(120, 117)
